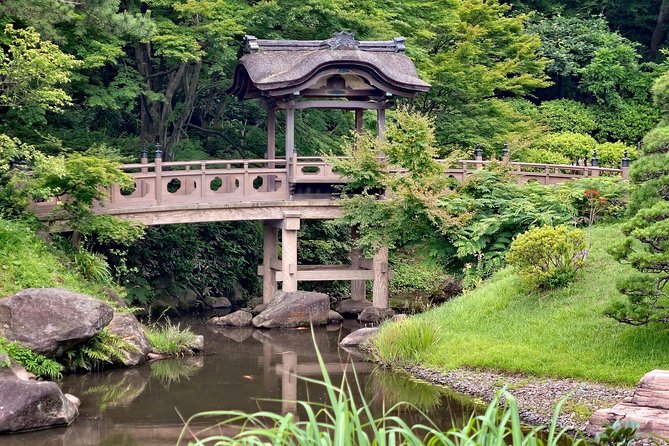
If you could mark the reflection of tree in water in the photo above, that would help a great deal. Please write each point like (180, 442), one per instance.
(168, 371)
(115, 392)
(392, 388)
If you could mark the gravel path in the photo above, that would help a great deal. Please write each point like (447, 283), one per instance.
(536, 397)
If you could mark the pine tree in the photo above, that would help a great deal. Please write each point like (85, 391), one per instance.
(647, 244)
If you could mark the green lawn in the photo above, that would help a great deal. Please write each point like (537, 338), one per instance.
(559, 334)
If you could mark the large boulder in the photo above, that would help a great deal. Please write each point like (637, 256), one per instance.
(358, 337)
(236, 319)
(128, 327)
(649, 406)
(352, 308)
(52, 320)
(373, 315)
(294, 309)
(26, 404)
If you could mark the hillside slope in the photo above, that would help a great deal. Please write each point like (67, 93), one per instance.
(562, 333)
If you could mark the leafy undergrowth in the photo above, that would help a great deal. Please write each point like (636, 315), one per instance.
(560, 333)
(171, 340)
(26, 261)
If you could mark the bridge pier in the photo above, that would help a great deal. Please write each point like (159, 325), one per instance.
(287, 271)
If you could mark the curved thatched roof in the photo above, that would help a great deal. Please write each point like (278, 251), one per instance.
(279, 68)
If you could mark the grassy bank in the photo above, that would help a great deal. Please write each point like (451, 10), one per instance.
(562, 333)
(26, 261)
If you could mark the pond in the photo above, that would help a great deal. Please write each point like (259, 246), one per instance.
(242, 369)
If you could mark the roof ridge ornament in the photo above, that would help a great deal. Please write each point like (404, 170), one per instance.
(343, 40)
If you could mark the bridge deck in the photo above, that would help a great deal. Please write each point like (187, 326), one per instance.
(259, 189)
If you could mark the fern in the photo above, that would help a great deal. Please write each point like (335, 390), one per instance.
(38, 365)
(103, 348)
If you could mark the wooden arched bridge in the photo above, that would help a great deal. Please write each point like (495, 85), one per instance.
(288, 76)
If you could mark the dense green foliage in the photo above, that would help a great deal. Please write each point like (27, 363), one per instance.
(38, 365)
(548, 257)
(504, 326)
(104, 348)
(647, 244)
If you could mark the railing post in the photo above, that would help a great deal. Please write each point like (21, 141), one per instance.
(478, 153)
(159, 174)
(625, 166)
(594, 162)
(505, 153)
(144, 158)
(380, 286)
(247, 189)
(203, 179)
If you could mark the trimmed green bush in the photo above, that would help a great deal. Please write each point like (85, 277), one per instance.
(548, 257)
(569, 144)
(566, 115)
(541, 156)
(610, 154)
(656, 141)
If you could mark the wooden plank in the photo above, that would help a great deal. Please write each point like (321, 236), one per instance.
(333, 274)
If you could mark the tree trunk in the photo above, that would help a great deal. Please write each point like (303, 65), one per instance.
(658, 34)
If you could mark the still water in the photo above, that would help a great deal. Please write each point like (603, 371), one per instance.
(243, 369)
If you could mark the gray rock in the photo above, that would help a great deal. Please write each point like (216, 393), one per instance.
(31, 405)
(52, 320)
(236, 319)
(198, 343)
(259, 309)
(372, 315)
(358, 337)
(219, 302)
(352, 308)
(296, 309)
(334, 317)
(128, 327)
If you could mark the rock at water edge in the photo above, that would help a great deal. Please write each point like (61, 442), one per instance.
(358, 337)
(52, 320)
(352, 308)
(128, 327)
(236, 319)
(372, 315)
(294, 309)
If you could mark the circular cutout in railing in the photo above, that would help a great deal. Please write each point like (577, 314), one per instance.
(311, 170)
(125, 191)
(174, 185)
(258, 182)
(215, 184)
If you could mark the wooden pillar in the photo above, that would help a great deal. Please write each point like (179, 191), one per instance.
(380, 268)
(268, 375)
(358, 290)
(290, 227)
(289, 383)
(290, 137)
(358, 120)
(381, 122)
(270, 254)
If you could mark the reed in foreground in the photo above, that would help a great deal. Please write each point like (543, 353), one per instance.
(347, 419)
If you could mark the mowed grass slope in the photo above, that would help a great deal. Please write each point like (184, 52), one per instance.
(562, 333)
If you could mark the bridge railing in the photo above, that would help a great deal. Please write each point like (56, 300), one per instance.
(209, 182)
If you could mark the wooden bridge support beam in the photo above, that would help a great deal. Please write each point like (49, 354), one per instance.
(270, 256)
(289, 230)
(358, 287)
(289, 383)
(380, 287)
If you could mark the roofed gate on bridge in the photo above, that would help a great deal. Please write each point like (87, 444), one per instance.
(338, 73)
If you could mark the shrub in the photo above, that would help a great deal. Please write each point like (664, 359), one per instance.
(656, 141)
(170, 339)
(566, 115)
(548, 257)
(541, 156)
(613, 194)
(104, 347)
(627, 122)
(571, 145)
(610, 154)
(411, 276)
(37, 364)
